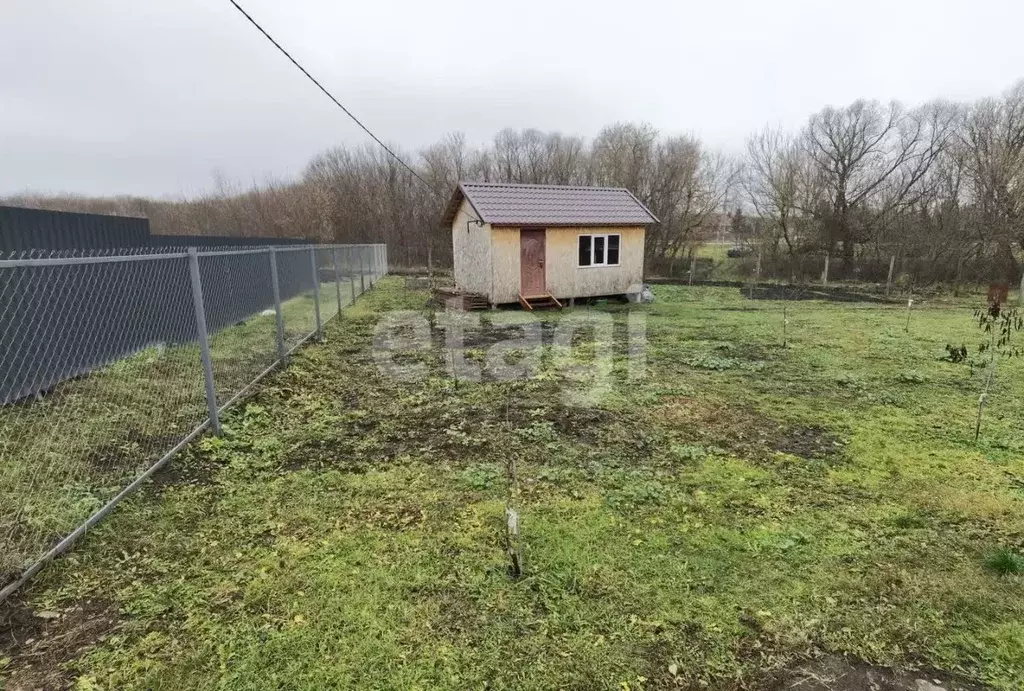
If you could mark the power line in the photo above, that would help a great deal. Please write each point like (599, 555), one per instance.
(336, 101)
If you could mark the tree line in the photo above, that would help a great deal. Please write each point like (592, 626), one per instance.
(941, 184)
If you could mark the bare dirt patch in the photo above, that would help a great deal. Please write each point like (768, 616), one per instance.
(748, 433)
(579, 424)
(782, 291)
(487, 334)
(129, 451)
(185, 469)
(837, 673)
(39, 644)
(804, 292)
(811, 442)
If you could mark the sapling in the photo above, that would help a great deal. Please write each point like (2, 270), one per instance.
(791, 292)
(955, 354)
(513, 538)
(1000, 324)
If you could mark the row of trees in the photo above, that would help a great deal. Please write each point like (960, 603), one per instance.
(942, 182)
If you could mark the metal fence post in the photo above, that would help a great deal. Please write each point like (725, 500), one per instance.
(370, 266)
(351, 279)
(282, 355)
(888, 281)
(362, 276)
(316, 292)
(204, 340)
(337, 276)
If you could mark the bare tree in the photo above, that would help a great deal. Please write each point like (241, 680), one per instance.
(446, 163)
(775, 180)
(943, 183)
(682, 183)
(867, 158)
(994, 139)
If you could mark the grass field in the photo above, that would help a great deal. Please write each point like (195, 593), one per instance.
(65, 455)
(744, 511)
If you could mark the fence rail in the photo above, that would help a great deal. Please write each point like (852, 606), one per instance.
(111, 361)
(894, 273)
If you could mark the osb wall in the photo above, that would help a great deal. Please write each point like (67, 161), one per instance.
(481, 248)
(564, 278)
(471, 251)
(505, 250)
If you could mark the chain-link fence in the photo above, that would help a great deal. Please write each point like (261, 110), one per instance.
(110, 362)
(892, 274)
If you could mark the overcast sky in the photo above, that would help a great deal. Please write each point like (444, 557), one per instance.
(153, 96)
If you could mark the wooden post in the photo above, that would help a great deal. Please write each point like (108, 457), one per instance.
(888, 281)
(757, 276)
(693, 268)
(824, 273)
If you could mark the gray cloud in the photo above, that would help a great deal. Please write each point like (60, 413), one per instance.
(122, 96)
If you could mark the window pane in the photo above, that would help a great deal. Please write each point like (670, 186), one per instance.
(584, 250)
(599, 249)
(613, 249)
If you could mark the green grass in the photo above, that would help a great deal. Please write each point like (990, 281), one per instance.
(1005, 562)
(717, 251)
(741, 508)
(63, 456)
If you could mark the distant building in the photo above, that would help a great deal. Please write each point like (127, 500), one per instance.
(541, 244)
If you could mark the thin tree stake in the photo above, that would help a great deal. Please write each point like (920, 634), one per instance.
(513, 538)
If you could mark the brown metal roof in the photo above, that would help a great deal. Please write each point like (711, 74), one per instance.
(507, 204)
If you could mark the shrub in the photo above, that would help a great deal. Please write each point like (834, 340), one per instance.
(1005, 562)
(480, 477)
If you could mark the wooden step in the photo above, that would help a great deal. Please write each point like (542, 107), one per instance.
(543, 301)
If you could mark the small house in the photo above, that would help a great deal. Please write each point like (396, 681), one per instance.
(542, 245)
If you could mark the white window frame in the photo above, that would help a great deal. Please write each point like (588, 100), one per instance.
(592, 263)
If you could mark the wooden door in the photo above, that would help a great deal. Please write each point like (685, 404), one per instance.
(531, 263)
